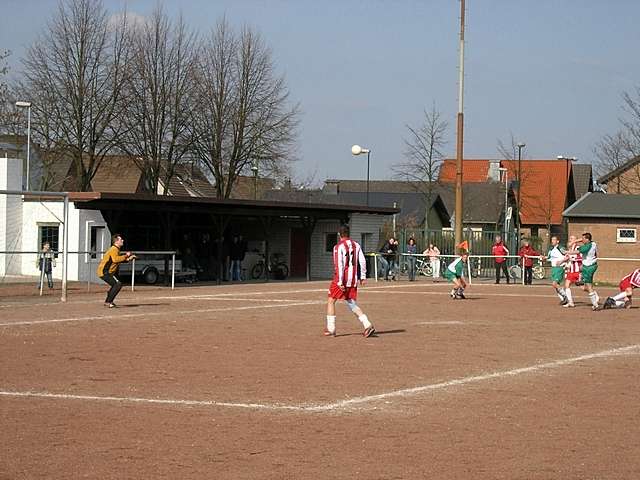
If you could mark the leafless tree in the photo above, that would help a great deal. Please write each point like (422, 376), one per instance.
(79, 65)
(241, 116)
(424, 156)
(509, 153)
(157, 111)
(615, 150)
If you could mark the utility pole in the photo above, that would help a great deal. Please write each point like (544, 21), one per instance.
(460, 133)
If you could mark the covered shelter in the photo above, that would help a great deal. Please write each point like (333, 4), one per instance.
(301, 232)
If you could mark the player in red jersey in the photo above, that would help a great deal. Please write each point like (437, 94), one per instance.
(349, 269)
(627, 284)
(572, 267)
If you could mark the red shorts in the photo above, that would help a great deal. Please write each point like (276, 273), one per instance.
(626, 283)
(349, 293)
(573, 277)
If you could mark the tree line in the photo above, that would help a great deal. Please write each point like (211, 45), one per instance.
(155, 90)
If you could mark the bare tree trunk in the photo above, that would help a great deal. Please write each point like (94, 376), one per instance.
(159, 92)
(241, 118)
(79, 66)
(424, 156)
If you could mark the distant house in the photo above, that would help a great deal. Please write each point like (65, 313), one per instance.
(614, 222)
(624, 179)
(547, 187)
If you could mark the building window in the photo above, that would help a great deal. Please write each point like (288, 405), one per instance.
(626, 235)
(48, 233)
(366, 241)
(330, 239)
(97, 241)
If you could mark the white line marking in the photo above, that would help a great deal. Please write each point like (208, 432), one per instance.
(181, 314)
(343, 404)
(453, 322)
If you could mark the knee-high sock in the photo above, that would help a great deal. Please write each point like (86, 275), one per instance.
(593, 296)
(620, 299)
(331, 323)
(568, 294)
(364, 320)
(560, 293)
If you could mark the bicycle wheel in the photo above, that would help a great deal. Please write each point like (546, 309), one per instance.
(257, 271)
(515, 271)
(427, 270)
(281, 271)
(538, 272)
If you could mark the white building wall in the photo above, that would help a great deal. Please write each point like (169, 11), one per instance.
(321, 259)
(80, 266)
(10, 215)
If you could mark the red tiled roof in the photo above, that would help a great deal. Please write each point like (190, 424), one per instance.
(473, 170)
(544, 189)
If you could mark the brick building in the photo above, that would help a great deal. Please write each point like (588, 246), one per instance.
(625, 179)
(614, 222)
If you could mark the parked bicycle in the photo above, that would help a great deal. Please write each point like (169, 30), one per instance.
(277, 268)
(515, 271)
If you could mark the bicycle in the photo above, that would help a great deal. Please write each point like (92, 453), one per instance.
(277, 268)
(515, 271)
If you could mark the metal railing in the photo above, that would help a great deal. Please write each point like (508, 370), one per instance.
(90, 256)
(476, 259)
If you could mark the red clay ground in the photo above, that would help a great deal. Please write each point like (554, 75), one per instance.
(238, 382)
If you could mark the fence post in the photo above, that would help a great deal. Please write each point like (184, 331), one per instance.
(173, 271)
(89, 274)
(375, 265)
(133, 273)
(469, 269)
(523, 259)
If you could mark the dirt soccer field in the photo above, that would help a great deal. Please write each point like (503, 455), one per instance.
(238, 382)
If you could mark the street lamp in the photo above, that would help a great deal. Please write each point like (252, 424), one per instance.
(27, 105)
(357, 150)
(506, 198)
(254, 169)
(520, 147)
(566, 197)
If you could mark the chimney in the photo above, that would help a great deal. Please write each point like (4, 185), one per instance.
(331, 187)
(493, 175)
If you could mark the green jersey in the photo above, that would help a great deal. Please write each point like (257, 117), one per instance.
(589, 252)
(456, 267)
(556, 256)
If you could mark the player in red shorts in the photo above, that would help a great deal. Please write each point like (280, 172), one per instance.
(349, 269)
(572, 271)
(627, 284)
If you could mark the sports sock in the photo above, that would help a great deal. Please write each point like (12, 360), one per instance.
(567, 292)
(331, 323)
(620, 303)
(593, 296)
(560, 293)
(364, 320)
(620, 296)
(453, 292)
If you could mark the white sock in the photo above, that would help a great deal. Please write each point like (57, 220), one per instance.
(364, 320)
(620, 296)
(567, 292)
(331, 323)
(560, 293)
(620, 303)
(593, 296)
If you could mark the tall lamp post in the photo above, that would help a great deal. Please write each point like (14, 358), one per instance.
(568, 161)
(506, 198)
(27, 105)
(254, 169)
(520, 147)
(358, 150)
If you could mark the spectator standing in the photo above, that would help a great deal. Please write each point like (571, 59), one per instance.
(384, 262)
(236, 255)
(45, 263)
(392, 258)
(525, 253)
(499, 251)
(434, 258)
(412, 249)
